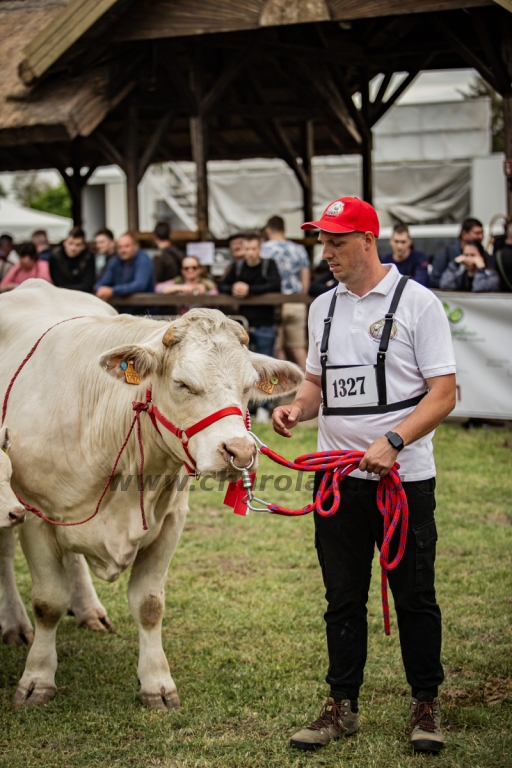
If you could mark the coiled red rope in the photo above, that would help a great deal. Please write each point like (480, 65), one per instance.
(391, 501)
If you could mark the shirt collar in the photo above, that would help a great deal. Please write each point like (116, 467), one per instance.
(384, 287)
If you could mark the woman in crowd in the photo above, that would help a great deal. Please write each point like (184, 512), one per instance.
(470, 272)
(189, 283)
(29, 266)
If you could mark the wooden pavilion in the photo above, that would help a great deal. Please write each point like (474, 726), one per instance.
(92, 82)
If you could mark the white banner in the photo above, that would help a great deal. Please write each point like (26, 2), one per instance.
(481, 327)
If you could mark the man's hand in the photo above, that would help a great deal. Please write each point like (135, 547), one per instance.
(240, 290)
(105, 292)
(379, 458)
(285, 417)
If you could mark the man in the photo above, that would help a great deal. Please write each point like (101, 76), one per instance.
(236, 245)
(129, 271)
(105, 249)
(167, 260)
(72, 263)
(295, 271)
(43, 247)
(472, 229)
(6, 249)
(251, 276)
(408, 261)
(400, 402)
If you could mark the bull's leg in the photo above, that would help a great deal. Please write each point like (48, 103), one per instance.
(146, 598)
(84, 603)
(15, 624)
(50, 598)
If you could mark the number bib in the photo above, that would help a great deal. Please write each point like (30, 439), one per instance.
(350, 386)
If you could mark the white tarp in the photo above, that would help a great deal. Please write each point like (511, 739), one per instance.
(481, 329)
(20, 222)
(244, 195)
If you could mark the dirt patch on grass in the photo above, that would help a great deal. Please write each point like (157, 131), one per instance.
(493, 692)
(203, 528)
(500, 518)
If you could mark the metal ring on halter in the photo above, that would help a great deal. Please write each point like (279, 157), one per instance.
(257, 440)
(248, 501)
(241, 469)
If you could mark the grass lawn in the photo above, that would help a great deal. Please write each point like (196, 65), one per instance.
(244, 636)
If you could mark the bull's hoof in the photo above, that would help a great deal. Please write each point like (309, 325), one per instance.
(34, 694)
(97, 622)
(19, 635)
(162, 701)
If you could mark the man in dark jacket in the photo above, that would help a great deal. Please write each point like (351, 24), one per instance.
(472, 229)
(167, 261)
(407, 260)
(129, 271)
(72, 263)
(253, 276)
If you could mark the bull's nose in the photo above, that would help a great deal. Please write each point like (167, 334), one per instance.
(242, 449)
(17, 515)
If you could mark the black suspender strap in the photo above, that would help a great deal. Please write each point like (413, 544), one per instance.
(324, 345)
(380, 368)
(327, 325)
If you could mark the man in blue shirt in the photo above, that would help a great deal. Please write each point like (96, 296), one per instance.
(295, 271)
(129, 271)
(408, 261)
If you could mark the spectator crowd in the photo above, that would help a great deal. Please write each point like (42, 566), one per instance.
(261, 262)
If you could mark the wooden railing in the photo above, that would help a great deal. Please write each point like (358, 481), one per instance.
(222, 300)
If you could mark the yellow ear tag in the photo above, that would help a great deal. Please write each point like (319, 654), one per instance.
(5, 451)
(130, 374)
(265, 386)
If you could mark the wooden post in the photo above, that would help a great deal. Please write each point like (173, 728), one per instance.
(199, 156)
(367, 143)
(308, 150)
(132, 165)
(366, 152)
(507, 119)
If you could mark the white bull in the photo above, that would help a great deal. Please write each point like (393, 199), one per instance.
(69, 412)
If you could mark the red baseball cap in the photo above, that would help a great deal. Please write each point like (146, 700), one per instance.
(347, 214)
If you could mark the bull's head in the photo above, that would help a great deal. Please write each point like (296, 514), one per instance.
(198, 365)
(11, 511)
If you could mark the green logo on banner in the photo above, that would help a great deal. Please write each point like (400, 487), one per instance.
(454, 315)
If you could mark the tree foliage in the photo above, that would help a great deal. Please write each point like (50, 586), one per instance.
(32, 191)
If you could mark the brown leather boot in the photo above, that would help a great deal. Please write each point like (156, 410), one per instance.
(335, 720)
(425, 726)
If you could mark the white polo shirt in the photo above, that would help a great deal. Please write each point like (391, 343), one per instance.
(420, 348)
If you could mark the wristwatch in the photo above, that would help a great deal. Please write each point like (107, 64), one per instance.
(395, 440)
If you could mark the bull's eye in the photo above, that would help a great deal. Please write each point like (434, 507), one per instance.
(180, 385)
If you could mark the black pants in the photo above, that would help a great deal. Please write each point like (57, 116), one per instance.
(346, 544)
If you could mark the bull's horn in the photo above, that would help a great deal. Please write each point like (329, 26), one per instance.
(244, 336)
(169, 337)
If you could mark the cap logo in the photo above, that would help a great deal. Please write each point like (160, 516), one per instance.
(335, 208)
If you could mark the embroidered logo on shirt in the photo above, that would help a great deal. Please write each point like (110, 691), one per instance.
(335, 208)
(376, 330)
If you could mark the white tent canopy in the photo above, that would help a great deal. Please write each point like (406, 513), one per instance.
(19, 222)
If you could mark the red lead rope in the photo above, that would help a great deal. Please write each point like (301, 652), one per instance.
(391, 501)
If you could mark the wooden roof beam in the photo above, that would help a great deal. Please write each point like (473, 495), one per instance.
(467, 54)
(59, 35)
(330, 94)
(506, 4)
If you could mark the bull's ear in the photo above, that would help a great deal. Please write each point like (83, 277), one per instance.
(121, 361)
(238, 330)
(275, 377)
(5, 439)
